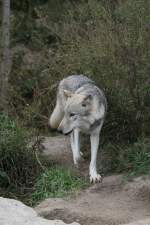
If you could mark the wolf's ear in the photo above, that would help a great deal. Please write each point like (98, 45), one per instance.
(68, 93)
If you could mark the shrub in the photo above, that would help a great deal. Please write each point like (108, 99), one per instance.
(134, 159)
(104, 40)
(20, 168)
(18, 164)
(137, 158)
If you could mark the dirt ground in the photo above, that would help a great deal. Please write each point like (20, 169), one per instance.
(112, 202)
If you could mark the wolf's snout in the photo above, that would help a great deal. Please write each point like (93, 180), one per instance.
(59, 130)
(50, 128)
(62, 131)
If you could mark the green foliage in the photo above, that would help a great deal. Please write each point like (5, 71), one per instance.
(107, 41)
(137, 157)
(133, 159)
(56, 182)
(18, 164)
(20, 168)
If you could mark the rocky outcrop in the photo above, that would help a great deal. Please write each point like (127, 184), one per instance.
(140, 222)
(55, 149)
(13, 212)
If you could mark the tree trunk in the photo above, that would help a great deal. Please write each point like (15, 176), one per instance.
(5, 57)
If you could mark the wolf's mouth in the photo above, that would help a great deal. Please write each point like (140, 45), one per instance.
(68, 132)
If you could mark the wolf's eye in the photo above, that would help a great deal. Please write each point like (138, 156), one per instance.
(72, 114)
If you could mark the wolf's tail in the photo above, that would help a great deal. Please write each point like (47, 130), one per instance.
(56, 116)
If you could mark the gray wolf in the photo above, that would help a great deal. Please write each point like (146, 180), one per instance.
(80, 107)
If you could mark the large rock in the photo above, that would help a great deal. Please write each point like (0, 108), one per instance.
(140, 222)
(13, 212)
(56, 149)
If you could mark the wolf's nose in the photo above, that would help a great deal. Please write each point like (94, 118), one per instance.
(51, 129)
(59, 130)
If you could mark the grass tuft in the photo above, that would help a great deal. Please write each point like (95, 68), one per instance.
(138, 158)
(56, 182)
(134, 159)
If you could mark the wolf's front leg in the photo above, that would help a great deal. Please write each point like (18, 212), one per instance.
(75, 145)
(94, 176)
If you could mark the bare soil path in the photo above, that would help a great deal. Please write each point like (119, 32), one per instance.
(111, 202)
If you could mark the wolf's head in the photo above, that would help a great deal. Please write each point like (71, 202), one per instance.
(77, 113)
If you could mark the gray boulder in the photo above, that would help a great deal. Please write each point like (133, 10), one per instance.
(13, 212)
(140, 222)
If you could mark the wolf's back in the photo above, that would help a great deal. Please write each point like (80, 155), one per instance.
(73, 82)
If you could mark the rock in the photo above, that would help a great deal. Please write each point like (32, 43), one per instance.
(140, 222)
(56, 149)
(13, 212)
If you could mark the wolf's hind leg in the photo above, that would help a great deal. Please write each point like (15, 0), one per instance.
(56, 116)
(75, 146)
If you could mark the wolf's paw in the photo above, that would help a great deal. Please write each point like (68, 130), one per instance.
(95, 178)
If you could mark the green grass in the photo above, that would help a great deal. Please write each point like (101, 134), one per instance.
(133, 159)
(56, 182)
(138, 158)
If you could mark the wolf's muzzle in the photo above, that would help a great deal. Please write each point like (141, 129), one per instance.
(51, 129)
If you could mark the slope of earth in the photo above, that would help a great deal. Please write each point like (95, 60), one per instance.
(112, 202)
